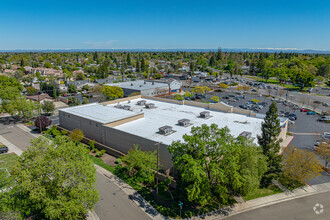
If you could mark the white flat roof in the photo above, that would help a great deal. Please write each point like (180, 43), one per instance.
(168, 114)
(139, 85)
(98, 112)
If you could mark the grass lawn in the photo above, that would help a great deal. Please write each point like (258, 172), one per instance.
(274, 81)
(271, 190)
(8, 160)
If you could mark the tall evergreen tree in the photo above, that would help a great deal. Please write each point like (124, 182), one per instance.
(137, 66)
(212, 61)
(128, 59)
(270, 143)
(219, 54)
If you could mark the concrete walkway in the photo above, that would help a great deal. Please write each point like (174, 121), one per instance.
(277, 198)
(286, 143)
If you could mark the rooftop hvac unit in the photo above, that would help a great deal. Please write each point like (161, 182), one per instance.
(144, 82)
(141, 102)
(205, 114)
(184, 122)
(165, 129)
(245, 134)
(126, 107)
(131, 84)
(150, 105)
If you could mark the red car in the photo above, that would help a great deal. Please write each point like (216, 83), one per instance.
(304, 110)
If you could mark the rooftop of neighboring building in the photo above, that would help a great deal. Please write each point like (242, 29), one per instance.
(139, 85)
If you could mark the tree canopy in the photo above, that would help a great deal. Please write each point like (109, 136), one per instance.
(213, 165)
(53, 180)
(112, 92)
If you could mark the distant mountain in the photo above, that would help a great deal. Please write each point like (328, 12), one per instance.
(268, 50)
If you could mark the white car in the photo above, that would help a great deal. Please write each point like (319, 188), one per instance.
(291, 122)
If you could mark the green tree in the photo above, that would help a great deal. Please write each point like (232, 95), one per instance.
(141, 163)
(77, 135)
(48, 106)
(85, 101)
(201, 89)
(30, 90)
(212, 61)
(188, 94)
(112, 92)
(80, 76)
(215, 99)
(72, 88)
(270, 144)
(48, 65)
(128, 59)
(212, 165)
(300, 165)
(178, 97)
(54, 180)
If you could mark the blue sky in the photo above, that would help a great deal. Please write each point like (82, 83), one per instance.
(154, 24)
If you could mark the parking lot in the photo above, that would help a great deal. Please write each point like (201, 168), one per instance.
(307, 130)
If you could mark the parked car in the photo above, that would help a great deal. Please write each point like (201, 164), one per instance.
(291, 122)
(310, 89)
(3, 150)
(325, 104)
(253, 90)
(326, 136)
(293, 115)
(324, 118)
(292, 118)
(311, 113)
(304, 110)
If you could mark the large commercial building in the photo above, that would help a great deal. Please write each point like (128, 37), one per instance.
(149, 87)
(147, 121)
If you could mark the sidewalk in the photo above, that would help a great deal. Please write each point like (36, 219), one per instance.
(277, 198)
(11, 148)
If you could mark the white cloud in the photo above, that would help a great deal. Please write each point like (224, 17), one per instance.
(101, 44)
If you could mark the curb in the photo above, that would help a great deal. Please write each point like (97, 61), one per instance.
(268, 204)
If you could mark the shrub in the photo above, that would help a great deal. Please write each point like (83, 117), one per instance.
(118, 161)
(288, 133)
(91, 144)
(255, 100)
(42, 122)
(223, 86)
(100, 153)
(64, 132)
(76, 135)
(178, 97)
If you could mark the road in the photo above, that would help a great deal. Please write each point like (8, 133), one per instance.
(113, 203)
(301, 208)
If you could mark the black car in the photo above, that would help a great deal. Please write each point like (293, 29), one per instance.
(3, 150)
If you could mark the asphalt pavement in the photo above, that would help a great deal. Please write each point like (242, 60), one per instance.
(114, 202)
(314, 207)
